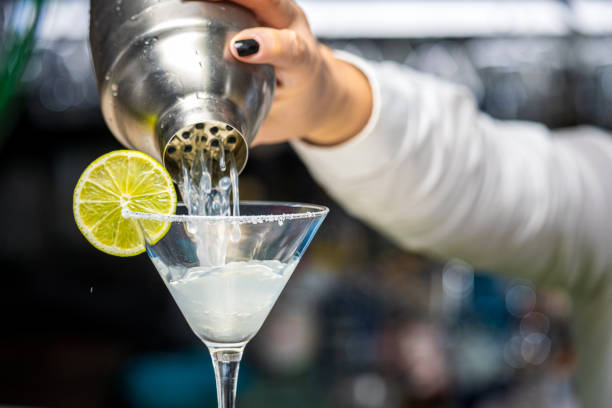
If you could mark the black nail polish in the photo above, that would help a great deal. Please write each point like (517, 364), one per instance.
(246, 47)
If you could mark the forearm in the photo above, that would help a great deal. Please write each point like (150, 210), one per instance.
(348, 102)
(438, 176)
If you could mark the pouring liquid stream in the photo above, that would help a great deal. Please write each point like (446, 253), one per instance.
(202, 196)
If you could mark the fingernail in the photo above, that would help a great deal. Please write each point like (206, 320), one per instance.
(246, 47)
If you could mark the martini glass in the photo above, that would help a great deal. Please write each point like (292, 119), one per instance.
(226, 272)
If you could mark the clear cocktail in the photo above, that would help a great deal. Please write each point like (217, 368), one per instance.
(229, 303)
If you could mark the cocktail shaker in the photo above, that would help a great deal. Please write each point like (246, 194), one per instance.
(168, 84)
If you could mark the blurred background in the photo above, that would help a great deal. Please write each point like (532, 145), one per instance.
(361, 323)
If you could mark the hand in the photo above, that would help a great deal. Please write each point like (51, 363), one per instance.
(318, 98)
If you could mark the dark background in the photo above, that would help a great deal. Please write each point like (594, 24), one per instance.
(361, 323)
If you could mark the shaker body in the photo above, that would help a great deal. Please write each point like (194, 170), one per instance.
(168, 84)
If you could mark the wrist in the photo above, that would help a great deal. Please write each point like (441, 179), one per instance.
(349, 96)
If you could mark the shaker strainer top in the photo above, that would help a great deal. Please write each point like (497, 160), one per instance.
(212, 140)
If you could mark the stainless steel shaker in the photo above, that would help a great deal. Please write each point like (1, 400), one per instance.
(168, 85)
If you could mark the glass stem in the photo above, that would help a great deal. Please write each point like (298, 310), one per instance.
(226, 363)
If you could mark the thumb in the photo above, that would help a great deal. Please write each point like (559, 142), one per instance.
(284, 49)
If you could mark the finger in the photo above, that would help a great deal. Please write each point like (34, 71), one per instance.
(275, 13)
(284, 49)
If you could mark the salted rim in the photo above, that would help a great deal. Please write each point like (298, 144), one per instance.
(317, 211)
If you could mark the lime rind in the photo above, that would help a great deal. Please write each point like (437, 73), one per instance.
(106, 184)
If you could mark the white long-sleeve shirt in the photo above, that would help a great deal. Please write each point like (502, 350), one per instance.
(436, 175)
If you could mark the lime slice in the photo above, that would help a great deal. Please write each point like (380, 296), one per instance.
(123, 178)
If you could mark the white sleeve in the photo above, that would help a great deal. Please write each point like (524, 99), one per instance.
(436, 175)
